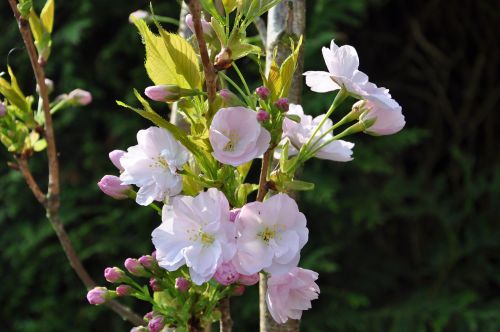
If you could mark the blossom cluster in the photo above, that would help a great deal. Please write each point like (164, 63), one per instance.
(209, 233)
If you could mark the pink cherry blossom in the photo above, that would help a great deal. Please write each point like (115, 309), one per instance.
(195, 231)
(115, 156)
(236, 136)
(152, 165)
(80, 97)
(380, 106)
(206, 26)
(290, 294)
(271, 235)
(300, 133)
(342, 63)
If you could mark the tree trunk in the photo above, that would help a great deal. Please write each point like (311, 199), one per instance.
(286, 20)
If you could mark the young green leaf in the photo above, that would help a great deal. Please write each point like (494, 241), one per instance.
(47, 16)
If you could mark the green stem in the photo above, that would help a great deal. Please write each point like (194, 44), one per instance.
(165, 19)
(355, 128)
(242, 78)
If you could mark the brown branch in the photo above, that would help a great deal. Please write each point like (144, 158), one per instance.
(226, 323)
(30, 181)
(208, 68)
(263, 176)
(52, 201)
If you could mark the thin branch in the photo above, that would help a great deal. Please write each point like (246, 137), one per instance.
(36, 64)
(226, 323)
(263, 176)
(30, 181)
(52, 201)
(208, 68)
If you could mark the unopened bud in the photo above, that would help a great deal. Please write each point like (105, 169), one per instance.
(124, 290)
(135, 268)
(112, 186)
(229, 99)
(146, 261)
(206, 27)
(115, 156)
(80, 97)
(147, 317)
(226, 274)
(248, 280)
(3, 110)
(224, 59)
(262, 92)
(282, 104)
(156, 324)
(113, 274)
(138, 15)
(262, 116)
(98, 295)
(165, 93)
(182, 284)
(49, 84)
(155, 285)
(238, 290)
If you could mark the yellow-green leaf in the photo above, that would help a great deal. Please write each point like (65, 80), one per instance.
(36, 26)
(47, 16)
(288, 68)
(170, 59)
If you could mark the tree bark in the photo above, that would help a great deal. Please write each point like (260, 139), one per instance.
(286, 20)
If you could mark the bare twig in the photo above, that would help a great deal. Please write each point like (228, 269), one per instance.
(52, 202)
(226, 323)
(208, 68)
(32, 184)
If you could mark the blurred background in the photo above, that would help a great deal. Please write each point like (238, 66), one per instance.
(405, 238)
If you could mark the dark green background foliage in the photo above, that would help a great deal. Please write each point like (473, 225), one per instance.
(406, 237)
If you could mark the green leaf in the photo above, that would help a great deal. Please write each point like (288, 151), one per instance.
(297, 185)
(293, 117)
(209, 6)
(40, 145)
(170, 59)
(47, 16)
(36, 26)
(243, 191)
(288, 68)
(241, 50)
(284, 156)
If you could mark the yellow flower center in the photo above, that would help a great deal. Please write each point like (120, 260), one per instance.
(267, 234)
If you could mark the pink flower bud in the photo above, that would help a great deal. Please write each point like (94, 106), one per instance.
(282, 104)
(135, 268)
(165, 93)
(138, 15)
(156, 324)
(229, 98)
(124, 290)
(262, 92)
(112, 186)
(153, 254)
(115, 156)
(97, 295)
(148, 316)
(155, 285)
(226, 274)
(248, 280)
(238, 290)
(182, 284)
(206, 27)
(3, 110)
(80, 97)
(113, 274)
(262, 116)
(233, 214)
(146, 261)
